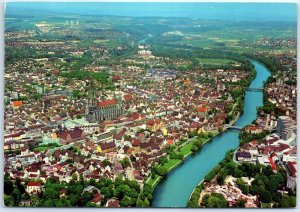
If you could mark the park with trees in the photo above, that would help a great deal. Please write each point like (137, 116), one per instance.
(125, 190)
(266, 184)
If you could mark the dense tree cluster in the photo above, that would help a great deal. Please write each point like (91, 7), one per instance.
(271, 63)
(242, 185)
(269, 107)
(193, 202)
(265, 185)
(13, 191)
(214, 200)
(125, 190)
(145, 197)
(84, 75)
(162, 51)
(200, 140)
(13, 54)
(125, 162)
(246, 137)
(161, 39)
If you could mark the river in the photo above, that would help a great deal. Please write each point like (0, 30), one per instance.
(175, 189)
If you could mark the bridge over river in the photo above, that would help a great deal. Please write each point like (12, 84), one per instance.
(233, 127)
(254, 89)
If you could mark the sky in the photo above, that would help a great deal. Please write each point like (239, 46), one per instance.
(234, 11)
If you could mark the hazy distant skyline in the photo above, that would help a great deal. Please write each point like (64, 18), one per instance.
(226, 11)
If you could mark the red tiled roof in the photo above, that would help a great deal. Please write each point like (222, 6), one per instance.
(34, 184)
(273, 165)
(33, 175)
(120, 134)
(157, 121)
(291, 151)
(14, 135)
(55, 72)
(137, 174)
(202, 109)
(97, 198)
(291, 168)
(112, 203)
(63, 134)
(116, 78)
(273, 154)
(23, 148)
(254, 142)
(185, 99)
(110, 145)
(141, 135)
(57, 153)
(58, 167)
(127, 97)
(186, 82)
(195, 125)
(150, 122)
(135, 115)
(251, 128)
(107, 103)
(17, 103)
(136, 142)
(76, 133)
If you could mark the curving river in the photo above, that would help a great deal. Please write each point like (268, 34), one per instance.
(175, 189)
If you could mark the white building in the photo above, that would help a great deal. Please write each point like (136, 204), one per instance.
(291, 182)
(33, 187)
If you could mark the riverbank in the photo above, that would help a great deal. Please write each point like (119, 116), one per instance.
(170, 193)
(195, 195)
(173, 163)
(187, 151)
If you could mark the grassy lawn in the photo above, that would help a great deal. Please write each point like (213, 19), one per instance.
(41, 149)
(215, 61)
(186, 149)
(108, 43)
(265, 205)
(171, 163)
(233, 107)
(152, 182)
(100, 41)
(47, 146)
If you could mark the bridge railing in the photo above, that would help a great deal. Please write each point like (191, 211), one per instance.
(233, 127)
(254, 89)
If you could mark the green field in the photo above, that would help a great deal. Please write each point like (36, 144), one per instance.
(186, 150)
(41, 149)
(100, 41)
(217, 62)
(265, 205)
(153, 181)
(47, 147)
(171, 163)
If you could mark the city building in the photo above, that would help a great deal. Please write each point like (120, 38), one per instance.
(33, 187)
(105, 110)
(285, 127)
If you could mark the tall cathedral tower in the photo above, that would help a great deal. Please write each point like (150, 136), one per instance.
(92, 100)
